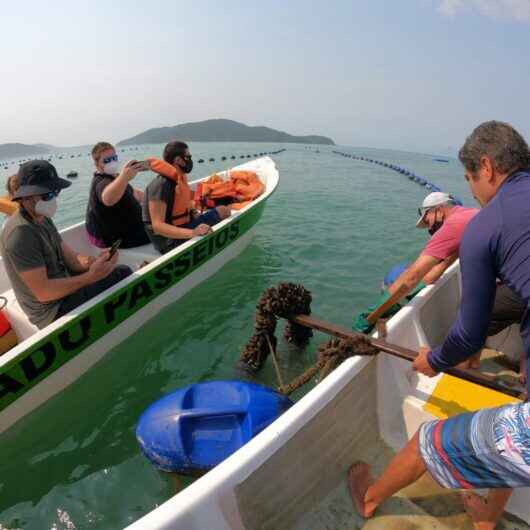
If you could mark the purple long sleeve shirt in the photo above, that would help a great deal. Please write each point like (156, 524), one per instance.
(495, 244)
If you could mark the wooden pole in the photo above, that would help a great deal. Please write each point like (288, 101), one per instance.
(373, 317)
(404, 353)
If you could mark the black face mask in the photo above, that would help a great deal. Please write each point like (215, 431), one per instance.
(188, 165)
(435, 226)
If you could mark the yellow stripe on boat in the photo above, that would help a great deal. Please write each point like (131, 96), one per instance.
(454, 396)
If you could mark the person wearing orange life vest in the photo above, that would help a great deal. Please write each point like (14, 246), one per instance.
(167, 209)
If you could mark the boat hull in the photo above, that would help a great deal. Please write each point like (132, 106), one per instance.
(56, 356)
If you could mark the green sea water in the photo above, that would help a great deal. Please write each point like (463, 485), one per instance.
(334, 224)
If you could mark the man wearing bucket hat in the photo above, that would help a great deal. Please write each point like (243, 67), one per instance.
(48, 277)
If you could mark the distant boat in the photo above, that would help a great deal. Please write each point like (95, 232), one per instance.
(441, 160)
(72, 175)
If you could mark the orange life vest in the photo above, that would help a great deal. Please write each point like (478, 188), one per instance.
(182, 198)
(242, 186)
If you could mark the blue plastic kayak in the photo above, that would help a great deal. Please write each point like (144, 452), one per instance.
(196, 427)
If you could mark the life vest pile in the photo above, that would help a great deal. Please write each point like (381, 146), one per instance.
(241, 188)
(182, 198)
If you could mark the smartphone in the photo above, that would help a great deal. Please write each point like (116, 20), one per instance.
(114, 248)
(142, 165)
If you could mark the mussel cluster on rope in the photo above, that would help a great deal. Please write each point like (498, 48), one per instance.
(282, 301)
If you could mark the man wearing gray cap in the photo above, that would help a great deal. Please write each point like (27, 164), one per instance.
(48, 277)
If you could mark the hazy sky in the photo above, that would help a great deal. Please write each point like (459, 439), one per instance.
(406, 74)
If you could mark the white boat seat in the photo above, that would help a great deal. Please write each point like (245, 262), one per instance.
(17, 318)
(134, 257)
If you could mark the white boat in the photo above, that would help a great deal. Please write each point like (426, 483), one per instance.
(48, 360)
(292, 475)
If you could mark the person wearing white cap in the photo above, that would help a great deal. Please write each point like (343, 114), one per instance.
(445, 222)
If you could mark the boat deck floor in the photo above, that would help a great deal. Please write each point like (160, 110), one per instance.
(423, 505)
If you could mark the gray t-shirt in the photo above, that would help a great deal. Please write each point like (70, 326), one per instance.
(159, 189)
(27, 245)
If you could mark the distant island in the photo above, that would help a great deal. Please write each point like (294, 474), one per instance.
(220, 130)
(14, 149)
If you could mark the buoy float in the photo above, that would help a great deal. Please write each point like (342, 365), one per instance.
(196, 427)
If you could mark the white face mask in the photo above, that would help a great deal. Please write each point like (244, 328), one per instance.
(111, 168)
(46, 208)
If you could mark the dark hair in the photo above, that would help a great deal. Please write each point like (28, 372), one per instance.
(99, 148)
(499, 141)
(174, 149)
(11, 184)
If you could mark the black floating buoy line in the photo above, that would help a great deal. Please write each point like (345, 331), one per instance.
(5, 164)
(409, 174)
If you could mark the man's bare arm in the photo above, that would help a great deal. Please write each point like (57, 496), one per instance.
(414, 274)
(434, 274)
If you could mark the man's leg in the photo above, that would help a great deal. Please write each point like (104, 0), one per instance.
(508, 309)
(485, 513)
(404, 469)
(90, 291)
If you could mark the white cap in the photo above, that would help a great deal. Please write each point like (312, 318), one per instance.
(436, 198)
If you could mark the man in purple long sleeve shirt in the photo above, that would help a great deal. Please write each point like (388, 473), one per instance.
(496, 244)
(491, 447)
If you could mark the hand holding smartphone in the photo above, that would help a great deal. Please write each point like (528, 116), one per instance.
(142, 165)
(114, 248)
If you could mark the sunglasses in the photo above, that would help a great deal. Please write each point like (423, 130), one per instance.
(186, 157)
(108, 159)
(50, 195)
(422, 211)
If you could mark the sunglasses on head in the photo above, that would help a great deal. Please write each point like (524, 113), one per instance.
(50, 195)
(108, 159)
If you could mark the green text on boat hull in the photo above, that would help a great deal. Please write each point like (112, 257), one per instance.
(43, 358)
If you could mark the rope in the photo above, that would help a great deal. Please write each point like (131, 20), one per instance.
(330, 355)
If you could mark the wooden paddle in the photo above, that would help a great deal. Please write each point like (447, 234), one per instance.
(404, 353)
(378, 312)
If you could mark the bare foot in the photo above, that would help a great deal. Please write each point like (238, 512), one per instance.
(359, 480)
(479, 511)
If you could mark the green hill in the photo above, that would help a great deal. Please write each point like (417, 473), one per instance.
(14, 149)
(220, 130)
